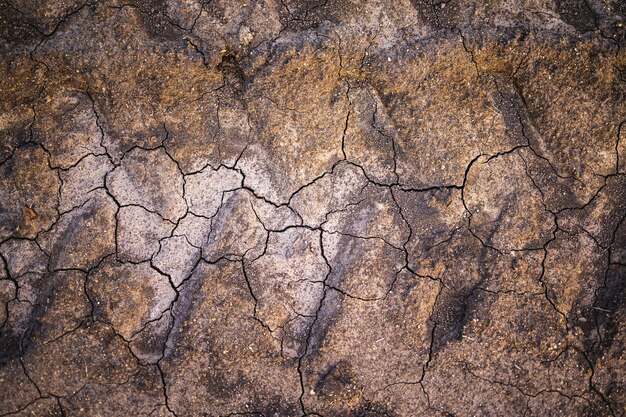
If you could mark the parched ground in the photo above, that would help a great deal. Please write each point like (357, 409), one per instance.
(326, 208)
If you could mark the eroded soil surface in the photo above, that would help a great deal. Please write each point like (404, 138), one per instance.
(307, 207)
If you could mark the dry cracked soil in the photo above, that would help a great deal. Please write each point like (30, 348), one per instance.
(312, 207)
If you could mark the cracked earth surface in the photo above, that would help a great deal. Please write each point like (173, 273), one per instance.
(302, 207)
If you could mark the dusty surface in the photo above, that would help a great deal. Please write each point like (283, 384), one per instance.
(331, 208)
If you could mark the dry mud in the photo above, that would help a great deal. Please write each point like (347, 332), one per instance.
(325, 208)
